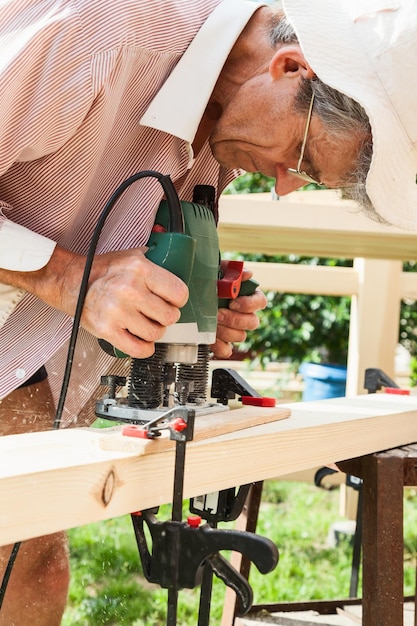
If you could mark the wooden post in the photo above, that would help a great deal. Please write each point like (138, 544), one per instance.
(375, 320)
(382, 539)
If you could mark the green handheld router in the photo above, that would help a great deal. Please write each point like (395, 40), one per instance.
(177, 373)
(168, 390)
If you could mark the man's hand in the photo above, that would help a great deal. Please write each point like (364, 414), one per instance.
(236, 320)
(129, 303)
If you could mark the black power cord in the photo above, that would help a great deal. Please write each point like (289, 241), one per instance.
(176, 225)
(12, 559)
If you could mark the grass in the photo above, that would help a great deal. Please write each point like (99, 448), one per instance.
(108, 588)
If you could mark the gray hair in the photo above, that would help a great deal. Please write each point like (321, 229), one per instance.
(339, 114)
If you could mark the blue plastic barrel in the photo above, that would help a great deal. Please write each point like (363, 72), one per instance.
(323, 381)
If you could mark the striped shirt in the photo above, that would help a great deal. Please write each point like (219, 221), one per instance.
(90, 93)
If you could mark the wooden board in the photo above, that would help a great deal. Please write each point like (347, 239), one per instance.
(347, 616)
(205, 427)
(60, 479)
(310, 223)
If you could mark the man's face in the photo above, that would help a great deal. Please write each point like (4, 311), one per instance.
(259, 131)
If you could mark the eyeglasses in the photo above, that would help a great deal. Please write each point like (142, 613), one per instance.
(297, 172)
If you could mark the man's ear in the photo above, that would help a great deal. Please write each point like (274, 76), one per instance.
(289, 61)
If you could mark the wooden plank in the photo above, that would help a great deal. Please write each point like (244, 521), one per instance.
(310, 279)
(206, 426)
(312, 223)
(61, 479)
(325, 612)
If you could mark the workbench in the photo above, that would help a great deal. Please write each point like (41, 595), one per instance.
(384, 475)
(57, 480)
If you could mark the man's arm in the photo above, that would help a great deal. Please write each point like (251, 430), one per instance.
(129, 301)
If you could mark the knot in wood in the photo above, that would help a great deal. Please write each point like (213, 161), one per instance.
(108, 487)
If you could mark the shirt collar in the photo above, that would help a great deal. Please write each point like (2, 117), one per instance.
(179, 105)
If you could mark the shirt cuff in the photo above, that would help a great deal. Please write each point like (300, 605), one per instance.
(21, 249)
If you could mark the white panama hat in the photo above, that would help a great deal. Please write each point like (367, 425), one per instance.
(367, 49)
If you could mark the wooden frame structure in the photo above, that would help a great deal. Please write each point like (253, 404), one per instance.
(320, 223)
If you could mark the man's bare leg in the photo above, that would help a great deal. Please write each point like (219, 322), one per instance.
(38, 587)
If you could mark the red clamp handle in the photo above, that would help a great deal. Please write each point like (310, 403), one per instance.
(229, 285)
(398, 392)
(134, 430)
(258, 401)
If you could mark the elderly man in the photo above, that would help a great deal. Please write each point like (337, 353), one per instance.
(200, 90)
